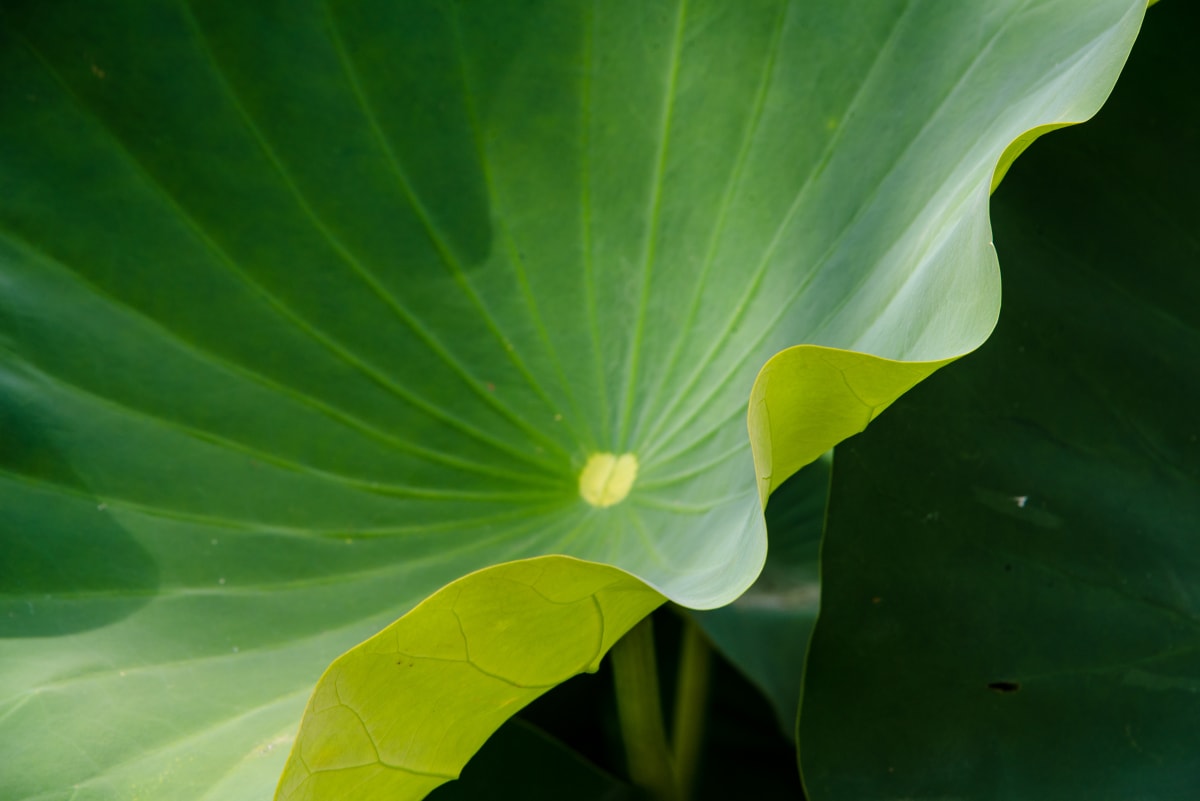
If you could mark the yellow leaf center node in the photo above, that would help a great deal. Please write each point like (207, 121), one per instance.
(607, 478)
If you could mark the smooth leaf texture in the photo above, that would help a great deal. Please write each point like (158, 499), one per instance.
(1011, 567)
(311, 308)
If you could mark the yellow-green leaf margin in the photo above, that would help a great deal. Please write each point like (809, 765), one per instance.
(398, 715)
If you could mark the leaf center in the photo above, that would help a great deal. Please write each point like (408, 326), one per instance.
(607, 478)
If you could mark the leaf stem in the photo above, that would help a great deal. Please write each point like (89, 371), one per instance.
(635, 674)
(691, 698)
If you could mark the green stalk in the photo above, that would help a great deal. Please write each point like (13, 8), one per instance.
(691, 698)
(635, 674)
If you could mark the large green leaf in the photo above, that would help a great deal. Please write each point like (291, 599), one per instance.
(311, 308)
(1011, 568)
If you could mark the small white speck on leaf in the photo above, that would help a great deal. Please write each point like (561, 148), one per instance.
(1020, 500)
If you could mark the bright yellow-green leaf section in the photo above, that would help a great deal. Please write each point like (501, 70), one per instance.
(1019, 146)
(400, 714)
(807, 399)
